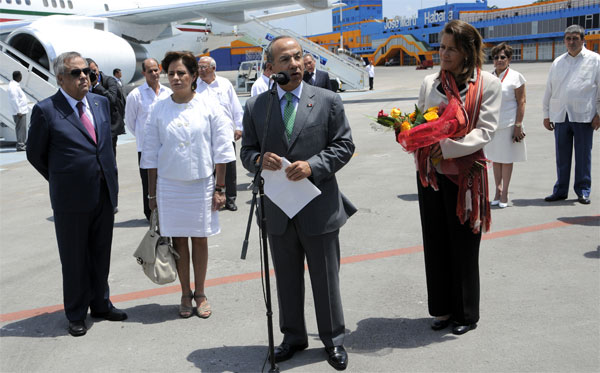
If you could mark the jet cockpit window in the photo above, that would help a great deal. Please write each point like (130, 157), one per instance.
(70, 4)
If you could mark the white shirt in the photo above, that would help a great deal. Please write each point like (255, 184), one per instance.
(222, 90)
(18, 99)
(185, 141)
(138, 107)
(371, 70)
(511, 80)
(260, 85)
(296, 97)
(573, 88)
(86, 106)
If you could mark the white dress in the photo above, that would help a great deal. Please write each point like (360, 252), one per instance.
(184, 142)
(502, 149)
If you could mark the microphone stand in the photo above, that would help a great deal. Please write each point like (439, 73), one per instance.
(258, 189)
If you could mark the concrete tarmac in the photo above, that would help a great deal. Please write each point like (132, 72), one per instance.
(540, 308)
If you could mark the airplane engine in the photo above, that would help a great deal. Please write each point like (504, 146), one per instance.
(316, 4)
(43, 42)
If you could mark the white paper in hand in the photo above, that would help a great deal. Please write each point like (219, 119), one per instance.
(289, 196)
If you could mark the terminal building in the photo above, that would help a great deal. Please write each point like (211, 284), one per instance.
(535, 31)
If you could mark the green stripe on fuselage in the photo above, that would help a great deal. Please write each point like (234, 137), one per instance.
(32, 13)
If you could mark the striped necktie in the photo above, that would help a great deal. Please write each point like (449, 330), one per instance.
(289, 114)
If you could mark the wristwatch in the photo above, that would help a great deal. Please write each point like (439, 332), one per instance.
(220, 189)
(518, 124)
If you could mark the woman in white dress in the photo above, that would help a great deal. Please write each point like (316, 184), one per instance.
(508, 144)
(187, 140)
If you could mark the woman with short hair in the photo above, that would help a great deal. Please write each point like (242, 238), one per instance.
(187, 139)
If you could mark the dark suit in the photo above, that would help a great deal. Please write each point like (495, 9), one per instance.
(82, 177)
(322, 137)
(321, 79)
(109, 88)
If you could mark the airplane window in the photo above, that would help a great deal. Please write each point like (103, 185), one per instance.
(54, 3)
(70, 4)
(18, 2)
(8, 1)
(106, 7)
(62, 4)
(46, 3)
(28, 2)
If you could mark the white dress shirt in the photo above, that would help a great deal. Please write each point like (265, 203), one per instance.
(18, 99)
(260, 85)
(73, 103)
(371, 70)
(222, 90)
(185, 141)
(573, 88)
(138, 107)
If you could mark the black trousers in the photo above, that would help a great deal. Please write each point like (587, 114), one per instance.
(84, 245)
(451, 254)
(371, 83)
(144, 177)
(323, 259)
(231, 180)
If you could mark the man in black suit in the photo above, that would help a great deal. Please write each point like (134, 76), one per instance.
(108, 87)
(70, 145)
(314, 77)
(309, 128)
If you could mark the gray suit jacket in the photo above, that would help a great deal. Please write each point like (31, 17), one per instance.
(322, 137)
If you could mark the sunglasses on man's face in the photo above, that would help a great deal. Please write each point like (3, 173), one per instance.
(500, 57)
(75, 73)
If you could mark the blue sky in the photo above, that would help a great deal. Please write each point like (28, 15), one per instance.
(320, 22)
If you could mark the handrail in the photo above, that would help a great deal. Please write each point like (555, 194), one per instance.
(47, 75)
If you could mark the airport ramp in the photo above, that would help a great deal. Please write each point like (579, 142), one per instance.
(38, 83)
(350, 72)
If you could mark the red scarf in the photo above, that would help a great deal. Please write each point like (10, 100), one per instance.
(468, 172)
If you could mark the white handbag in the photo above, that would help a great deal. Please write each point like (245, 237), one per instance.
(156, 254)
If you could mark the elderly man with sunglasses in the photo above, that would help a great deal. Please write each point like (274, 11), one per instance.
(70, 145)
(572, 110)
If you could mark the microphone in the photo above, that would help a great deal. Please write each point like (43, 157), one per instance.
(282, 78)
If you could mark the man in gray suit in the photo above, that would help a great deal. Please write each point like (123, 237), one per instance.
(309, 128)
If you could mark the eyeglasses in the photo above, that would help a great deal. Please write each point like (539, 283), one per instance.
(500, 58)
(77, 72)
(203, 67)
(572, 38)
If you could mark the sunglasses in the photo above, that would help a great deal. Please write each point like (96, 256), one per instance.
(77, 72)
(500, 57)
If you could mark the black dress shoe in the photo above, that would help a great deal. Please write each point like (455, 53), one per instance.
(285, 351)
(554, 198)
(114, 314)
(584, 200)
(462, 329)
(230, 206)
(440, 324)
(338, 358)
(77, 328)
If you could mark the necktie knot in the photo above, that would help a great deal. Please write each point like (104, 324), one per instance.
(289, 97)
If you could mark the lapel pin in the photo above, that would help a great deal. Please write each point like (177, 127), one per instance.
(309, 105)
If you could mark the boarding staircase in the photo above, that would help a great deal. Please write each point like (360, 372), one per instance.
(38, 83)
(404, 43)
(352, 74)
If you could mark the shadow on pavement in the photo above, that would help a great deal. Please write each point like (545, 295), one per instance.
(385, 99)
(593, 254)
(588, 221)
(540, 202)
(230, 359)
(409, 197)
(132, 223)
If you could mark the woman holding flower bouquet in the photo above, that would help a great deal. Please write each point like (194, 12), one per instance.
(508, 145)
(452, 176)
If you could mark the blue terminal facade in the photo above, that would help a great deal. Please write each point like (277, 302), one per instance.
(535, 31)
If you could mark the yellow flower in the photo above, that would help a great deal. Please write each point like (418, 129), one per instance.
(412, 115)
(432, 109)
(430, 116)
(395, 113)
(405, 126)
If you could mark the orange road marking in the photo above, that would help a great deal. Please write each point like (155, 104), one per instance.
(19, 315)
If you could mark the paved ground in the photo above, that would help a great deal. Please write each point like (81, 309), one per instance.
(540, 283)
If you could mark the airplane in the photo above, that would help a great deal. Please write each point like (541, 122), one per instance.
(123, 33)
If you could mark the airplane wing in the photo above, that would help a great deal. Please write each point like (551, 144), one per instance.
(232, 11)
